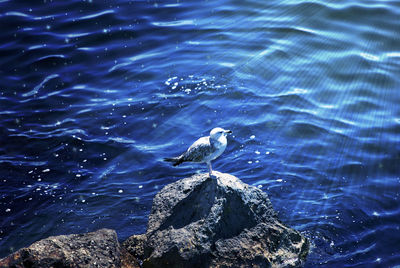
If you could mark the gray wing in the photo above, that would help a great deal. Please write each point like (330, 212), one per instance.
(199, 150)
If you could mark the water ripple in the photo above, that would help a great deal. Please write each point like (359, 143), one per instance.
(93, 95)
(95, 15)
(36, 88)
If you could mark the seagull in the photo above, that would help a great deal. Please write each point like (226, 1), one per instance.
(204, 150)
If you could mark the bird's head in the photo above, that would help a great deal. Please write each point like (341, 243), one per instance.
(215, 133)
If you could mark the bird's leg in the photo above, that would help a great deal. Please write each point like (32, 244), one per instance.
(209, 169)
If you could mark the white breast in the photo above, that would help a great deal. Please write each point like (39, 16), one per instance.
(220, 144)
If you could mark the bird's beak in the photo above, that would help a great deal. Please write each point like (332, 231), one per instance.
(228, 131)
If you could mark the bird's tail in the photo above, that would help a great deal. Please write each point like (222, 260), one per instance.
(175, 160)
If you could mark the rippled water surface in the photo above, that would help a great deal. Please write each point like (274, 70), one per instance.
(93, 94)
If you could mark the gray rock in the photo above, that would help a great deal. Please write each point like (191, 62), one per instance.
(222, 222)
(135, 245)
(96, 249)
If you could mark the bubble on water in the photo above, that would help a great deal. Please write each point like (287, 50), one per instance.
(250, 162)
(45, 170)
(140, 186)
(376, 214)
(168, 82)
(267, 152)
(120, 191)
(252, 137)
(279, 180)
(257, 152)
(78, 175)
(175, 85)
(8, 210)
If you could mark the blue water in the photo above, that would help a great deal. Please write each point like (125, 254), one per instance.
(93, 94)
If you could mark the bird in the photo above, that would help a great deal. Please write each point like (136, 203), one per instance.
(204, 150)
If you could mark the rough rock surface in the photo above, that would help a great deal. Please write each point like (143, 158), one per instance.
(220, 222)
(96, 249)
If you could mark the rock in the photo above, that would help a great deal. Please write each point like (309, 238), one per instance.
(194, 222)
(222, 222)
(135, 245)
(96, 249)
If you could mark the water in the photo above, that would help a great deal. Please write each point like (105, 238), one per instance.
(93, 95)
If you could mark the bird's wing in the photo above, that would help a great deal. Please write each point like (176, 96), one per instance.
(198, 150)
